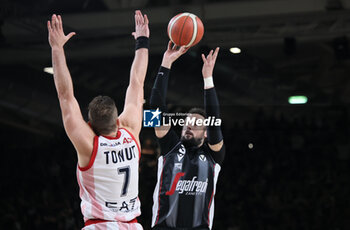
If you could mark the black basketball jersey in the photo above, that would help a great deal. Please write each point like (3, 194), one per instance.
(184, 194)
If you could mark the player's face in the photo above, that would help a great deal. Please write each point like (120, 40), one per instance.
(193, 131)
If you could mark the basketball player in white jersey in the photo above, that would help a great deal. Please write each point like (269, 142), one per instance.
(108, 147)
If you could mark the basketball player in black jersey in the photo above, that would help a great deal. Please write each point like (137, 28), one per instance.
(188, 167)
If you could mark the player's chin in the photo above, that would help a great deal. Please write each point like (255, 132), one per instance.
(190, 141)
(188, 136)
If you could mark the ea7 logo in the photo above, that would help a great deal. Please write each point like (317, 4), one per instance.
(127, 140)
(202, 157)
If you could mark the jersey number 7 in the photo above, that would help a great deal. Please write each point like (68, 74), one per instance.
(126, 172)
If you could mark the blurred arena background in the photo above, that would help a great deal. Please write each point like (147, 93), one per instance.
(287, 165)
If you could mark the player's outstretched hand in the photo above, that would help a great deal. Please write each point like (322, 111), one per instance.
(209, 63)
(56, 34)
(141, 25)
(172, 53)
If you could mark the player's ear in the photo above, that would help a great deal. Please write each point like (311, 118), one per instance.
(205, 133)
(118, 122)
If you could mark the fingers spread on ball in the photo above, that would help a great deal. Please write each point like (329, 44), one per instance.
(174, 46)
(182, 49)
(170, 44)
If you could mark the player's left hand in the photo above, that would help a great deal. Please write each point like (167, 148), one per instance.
(141, 25)
(57, 38)
(209, 63)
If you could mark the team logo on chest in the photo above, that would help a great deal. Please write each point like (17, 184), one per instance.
(181, 153)
(202, 157)
(180, 156)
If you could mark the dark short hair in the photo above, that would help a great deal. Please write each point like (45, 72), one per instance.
(198, 111)
(103, 115)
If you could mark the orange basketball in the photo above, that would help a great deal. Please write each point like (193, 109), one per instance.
(185, 29)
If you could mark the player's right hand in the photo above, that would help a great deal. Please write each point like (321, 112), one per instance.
(172, 53)
(56, 34)
(141, 25)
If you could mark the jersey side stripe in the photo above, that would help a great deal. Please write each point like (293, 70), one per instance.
(88, 179)
(159, 191)
(217, 169)
(83, 194)
(156, 195)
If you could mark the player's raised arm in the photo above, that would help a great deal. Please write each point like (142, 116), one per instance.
(131, 117)
(160, 87)
(76, 128)
(211, 102)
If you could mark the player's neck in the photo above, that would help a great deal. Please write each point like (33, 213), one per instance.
(112, 134)
(202, 142)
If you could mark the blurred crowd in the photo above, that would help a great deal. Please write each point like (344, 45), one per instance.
(278, 174)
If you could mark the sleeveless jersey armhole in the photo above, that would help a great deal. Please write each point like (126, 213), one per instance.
(218, 156)
(132, 136)
(93, 156)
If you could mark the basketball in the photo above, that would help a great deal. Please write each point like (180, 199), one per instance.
(185, 29)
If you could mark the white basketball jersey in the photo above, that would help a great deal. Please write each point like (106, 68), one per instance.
(109, 184)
